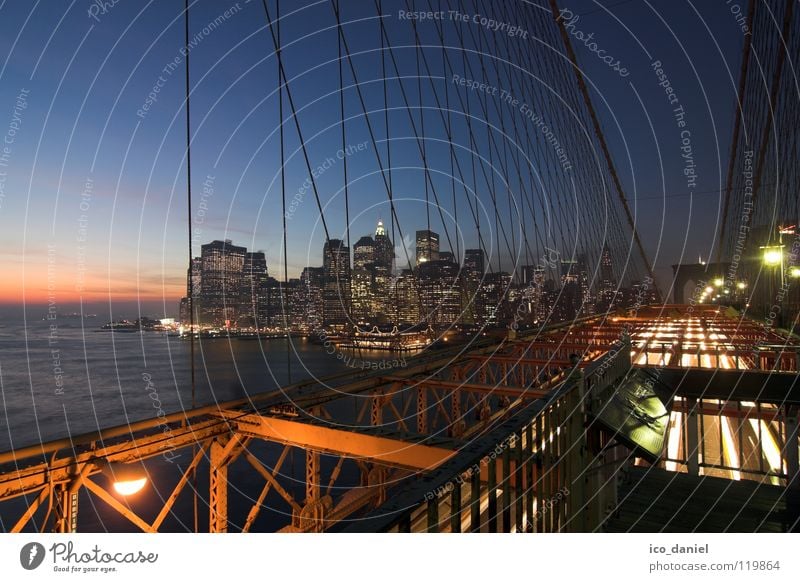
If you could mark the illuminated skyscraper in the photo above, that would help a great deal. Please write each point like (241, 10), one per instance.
(195, 275)
(254, 288)
(471, 275)
(493, 298)
(607, 279)
(311, 291)
(427, 246)
(532, 288)
(364, 252)
(363, 280)
(193, 289)
(440, 291)
(607, 285)
(382, 276)
(384, 251)
(336, 293)
(407, 299)
(222, 265)
(474, 261)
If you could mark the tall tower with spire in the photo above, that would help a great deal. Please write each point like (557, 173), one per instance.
(382, 274)
(384, 250)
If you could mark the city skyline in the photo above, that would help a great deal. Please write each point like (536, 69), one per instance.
(230, 286)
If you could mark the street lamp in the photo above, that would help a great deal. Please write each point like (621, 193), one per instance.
(718, 282)
(126, 479)
(773, 255)
(794, 272)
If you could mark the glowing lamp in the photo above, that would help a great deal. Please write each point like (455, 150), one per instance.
(718, 282)
(709, 289)
(794, 272)
(126, 479)
(772, 256)
(741, 285)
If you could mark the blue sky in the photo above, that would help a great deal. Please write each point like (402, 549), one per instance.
(87, 78)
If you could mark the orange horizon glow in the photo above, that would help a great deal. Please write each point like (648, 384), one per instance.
(37, 285)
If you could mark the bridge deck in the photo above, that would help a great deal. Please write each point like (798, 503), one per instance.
(655, 500)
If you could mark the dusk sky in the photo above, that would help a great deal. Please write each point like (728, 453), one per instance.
(88, 162)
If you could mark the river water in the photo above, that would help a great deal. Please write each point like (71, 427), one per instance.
(80, 378)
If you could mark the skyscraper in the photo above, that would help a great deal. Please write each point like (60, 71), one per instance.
(472, 274)
(384, 251)
(193, 289)
(222, 265)
(363, 279)
(440, 291)
(311, 291)
(364, 252)
(493, 298)
(570, 298)
(382, 276)
(336, 294)
(474, 261)
(532, 289)
(606, 270)
(607, 295)
(194, 278)
(254, 288)
(427, 246)
(280, 298)
(407, 299)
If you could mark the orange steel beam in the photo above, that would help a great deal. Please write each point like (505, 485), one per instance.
(356, 445)
(31, 510)
(479, 388)
(34, 477)
(530, 361)
(111, 501)
(167, 507)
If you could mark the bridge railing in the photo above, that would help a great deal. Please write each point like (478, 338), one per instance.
(532, 473)
(734, 439)
(776, 358)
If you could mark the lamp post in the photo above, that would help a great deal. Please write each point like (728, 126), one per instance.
(772, 256)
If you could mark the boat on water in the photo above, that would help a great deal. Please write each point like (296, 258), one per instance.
(393, 340)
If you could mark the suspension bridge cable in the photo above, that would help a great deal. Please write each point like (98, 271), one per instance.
(737, 124)
(607, 154)
(190, 290)
(373, 138)
(283, 198)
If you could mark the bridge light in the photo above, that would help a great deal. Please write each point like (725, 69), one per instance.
(773, 256)
(126, 479)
